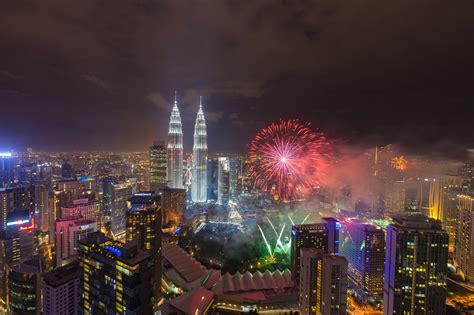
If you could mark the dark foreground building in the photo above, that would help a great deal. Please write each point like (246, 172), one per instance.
(415, 266)
(115, 278)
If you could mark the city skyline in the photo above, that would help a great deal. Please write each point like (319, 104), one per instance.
(215, 157)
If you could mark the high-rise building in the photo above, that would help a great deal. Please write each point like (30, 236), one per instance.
(394, 195)
(158, 166)
(115, 196)
(323, 283)
(364, 247)
(175, 149)
(464, 236)
(439, 187)
(42, 206)
(415, 266)
(67, 171)
(7, 169)
(223, 181)
(61, 290)
(68, 232)
(144, 220)
(323, 236)
(234, 168)
(115, 278)
(15, 204)
(14, 248)
(24, 287)
(212, 175)
(144, 230)
(173, 203)
(199, 164)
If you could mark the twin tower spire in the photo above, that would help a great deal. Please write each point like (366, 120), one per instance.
(175, 153)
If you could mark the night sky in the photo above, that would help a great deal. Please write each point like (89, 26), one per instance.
(101, 75)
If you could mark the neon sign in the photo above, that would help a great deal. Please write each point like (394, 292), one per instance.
(18, 222)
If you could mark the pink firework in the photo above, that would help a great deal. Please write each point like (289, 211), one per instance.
(288, 159)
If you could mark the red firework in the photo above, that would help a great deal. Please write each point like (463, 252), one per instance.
(288, 159)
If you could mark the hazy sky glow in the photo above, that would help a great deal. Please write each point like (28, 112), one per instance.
(101, 74)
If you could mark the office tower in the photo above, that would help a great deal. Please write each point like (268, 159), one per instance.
(42, 206)
(175, 149)
(415, 266)
(144, 220)
(27, 173)
(233, 177)
(144, 230)
(115, 278)
(7, 169)
(223, 181)
(173, 203)
(323, 236)
(68, 232)
(323, 283)
(24, 287)
(394, 195)
(67, 171)
(364, 247)
(14, 248)
(158, 167)
(212, 175)
(464, 236)
(61, 290)
(199, 164)
(412, 195)
(15, 204)
(438, 192)
(115, 196)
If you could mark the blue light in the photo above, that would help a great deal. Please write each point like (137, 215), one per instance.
(5, 154)
(18, 222)
(293, 232)
(177, 231)
(338, 225)
(113, 250)
(86, 179)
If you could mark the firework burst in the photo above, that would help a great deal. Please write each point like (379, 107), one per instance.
(288, 159)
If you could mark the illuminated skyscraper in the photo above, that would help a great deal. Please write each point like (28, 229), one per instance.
(175, 149)
(115, 206)
(223, 180)
(464, 239)
(7, 167)
(115, 278)
(199, 179)
(24, 287)
(323, 283)
(364, 247)
(415, 266)
(158, 166)
(144, 231)
(323, 236)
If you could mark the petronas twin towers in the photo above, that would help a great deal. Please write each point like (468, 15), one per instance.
(175, 154)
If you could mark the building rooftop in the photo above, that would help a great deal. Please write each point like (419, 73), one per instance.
(62, 275)
(257, 281)
(105, 248)
(416, 221)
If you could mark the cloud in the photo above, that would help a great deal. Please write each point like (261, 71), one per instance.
(160, 102)
(97, 82)
(213, 116)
